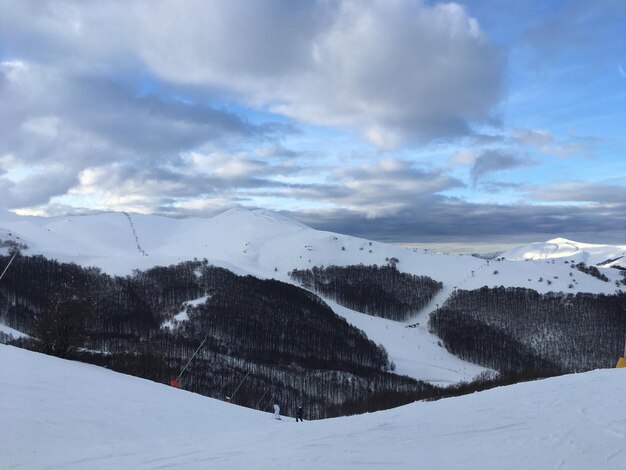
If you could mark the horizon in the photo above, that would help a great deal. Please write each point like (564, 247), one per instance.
(403, 122)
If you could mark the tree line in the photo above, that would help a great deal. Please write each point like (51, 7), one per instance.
(515, 329)
(376, 290)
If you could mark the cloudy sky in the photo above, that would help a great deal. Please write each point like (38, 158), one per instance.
(397, 120)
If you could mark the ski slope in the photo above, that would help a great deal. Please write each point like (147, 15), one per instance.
(414, 351)
(60, 414)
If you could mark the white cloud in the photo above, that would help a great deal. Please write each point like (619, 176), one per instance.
(397, 71)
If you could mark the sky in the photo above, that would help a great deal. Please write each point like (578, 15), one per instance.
(395, 120)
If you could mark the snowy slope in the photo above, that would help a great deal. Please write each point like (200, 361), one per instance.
(415, 352)
(601, 255)
(11, 332)
(266, 244)
(65, 415)
(269, 245)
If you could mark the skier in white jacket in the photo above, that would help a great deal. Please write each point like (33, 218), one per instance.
(276, 411)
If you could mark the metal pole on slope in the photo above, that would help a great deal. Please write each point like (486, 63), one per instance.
(9, 264)
(235, 392)
(259, 402)
(174, 383)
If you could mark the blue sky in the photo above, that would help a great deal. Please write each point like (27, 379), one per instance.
(398, 120)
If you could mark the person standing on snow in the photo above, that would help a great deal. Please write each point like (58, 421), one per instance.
(276, 411)
(299, 414)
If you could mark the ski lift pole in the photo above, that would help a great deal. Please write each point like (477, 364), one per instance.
(191, 358)
(240, 383)
(263, 396)
(9, 264)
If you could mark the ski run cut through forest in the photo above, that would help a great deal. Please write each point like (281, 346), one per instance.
(288, 314)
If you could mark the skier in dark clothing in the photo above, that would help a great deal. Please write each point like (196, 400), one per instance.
(299, 414)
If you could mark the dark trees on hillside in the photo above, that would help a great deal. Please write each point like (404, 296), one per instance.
(592, 271)
(516, 329)
(291, 344)
(61, 325)
(380, 291)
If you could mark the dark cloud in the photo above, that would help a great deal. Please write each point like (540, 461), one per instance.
(580, 191)
(37, 188)
(388, 186)
(280, 151)
(445, 219)
(491, 161)
(499, 186)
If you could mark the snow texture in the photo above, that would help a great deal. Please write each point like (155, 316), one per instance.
(60, 414)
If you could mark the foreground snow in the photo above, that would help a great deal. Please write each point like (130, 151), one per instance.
(64, 415)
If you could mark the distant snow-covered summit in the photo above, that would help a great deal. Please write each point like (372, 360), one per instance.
(599, 255)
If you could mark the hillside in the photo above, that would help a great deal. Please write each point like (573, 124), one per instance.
(598, 255)
(268, 245)
(67, 415)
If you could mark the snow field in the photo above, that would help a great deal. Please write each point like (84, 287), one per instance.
(66, 415)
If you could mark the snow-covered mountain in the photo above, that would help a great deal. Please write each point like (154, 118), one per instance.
(569, 250)
(60, 414)
(268, 245)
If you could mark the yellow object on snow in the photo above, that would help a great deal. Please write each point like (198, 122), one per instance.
(621, 363)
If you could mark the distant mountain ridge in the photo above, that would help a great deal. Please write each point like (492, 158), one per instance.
(268, 244)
